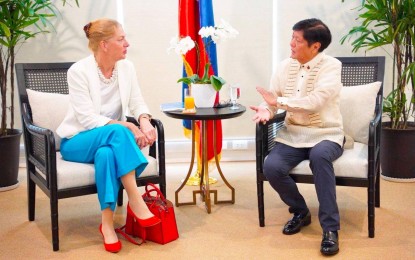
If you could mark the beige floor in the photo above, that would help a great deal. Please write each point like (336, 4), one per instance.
(229, 232)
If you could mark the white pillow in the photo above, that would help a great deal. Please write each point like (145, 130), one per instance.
(48, 110)
(357, 106)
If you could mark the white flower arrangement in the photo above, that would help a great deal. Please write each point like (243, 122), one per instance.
(182, 45)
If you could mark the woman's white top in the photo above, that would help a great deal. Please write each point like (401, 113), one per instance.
(87, 102)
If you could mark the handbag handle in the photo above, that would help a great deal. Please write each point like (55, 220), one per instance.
(137, 241)
(158, 199)
(153, 188)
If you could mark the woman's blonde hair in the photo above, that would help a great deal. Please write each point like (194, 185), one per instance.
(100, 30)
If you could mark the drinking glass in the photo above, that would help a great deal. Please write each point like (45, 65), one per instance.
(189, 101)
(235, 93)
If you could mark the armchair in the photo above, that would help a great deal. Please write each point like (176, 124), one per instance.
(45, 86)
(357, 167)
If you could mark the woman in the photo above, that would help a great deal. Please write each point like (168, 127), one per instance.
(102, 88)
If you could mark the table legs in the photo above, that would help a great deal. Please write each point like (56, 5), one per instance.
(204, 187)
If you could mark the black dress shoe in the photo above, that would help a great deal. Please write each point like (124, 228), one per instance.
(294, 225)
(330, 243)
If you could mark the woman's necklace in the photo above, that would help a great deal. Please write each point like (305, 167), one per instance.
(108, 82)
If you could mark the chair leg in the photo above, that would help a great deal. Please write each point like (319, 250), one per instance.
(31, 197)
(55, 223)
(371, 211)
(377, 190)
(120, 200)
(371, 224)
(260, 194)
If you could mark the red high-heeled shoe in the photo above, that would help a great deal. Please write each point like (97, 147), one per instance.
(148, 222)
(114, 247)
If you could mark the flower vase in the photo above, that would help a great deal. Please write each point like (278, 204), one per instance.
(204, 95)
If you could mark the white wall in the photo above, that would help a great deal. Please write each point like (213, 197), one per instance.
(246, 59)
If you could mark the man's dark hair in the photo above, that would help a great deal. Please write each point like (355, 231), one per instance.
(314, 30)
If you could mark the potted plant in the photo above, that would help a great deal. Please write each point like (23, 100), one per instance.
(19, 21)
(391, 23)
(204, 96)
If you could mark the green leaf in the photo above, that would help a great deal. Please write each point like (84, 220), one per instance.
(194, 78)
(5, 30)
(217, 82)
(206, 73)
(185, 80)
(189, 80)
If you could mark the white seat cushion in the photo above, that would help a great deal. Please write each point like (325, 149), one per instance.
(72, 174)
(353, 163)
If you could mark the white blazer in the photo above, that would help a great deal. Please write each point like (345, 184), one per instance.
(85, 97)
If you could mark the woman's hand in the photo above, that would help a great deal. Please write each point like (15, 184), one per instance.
(148, 130)
(268, 96)
(261, 114)
(139, 136)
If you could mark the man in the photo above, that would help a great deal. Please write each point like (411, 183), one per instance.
(307, 86)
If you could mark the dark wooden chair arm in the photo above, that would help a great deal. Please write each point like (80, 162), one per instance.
(374, 161)
(265, 140)
(42, 151)
(265, 133)
(374, 127)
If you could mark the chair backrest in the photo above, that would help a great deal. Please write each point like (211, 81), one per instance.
(363, 70)
(44, 77)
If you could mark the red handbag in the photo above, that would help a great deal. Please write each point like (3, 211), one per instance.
(162, 233)
(166, 231)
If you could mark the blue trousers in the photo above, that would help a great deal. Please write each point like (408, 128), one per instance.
(283, 158)
(114, 153)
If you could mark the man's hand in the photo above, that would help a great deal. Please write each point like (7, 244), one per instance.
(267, 96)
(261, 114)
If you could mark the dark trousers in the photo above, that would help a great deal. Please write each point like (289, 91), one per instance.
(283, 158)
